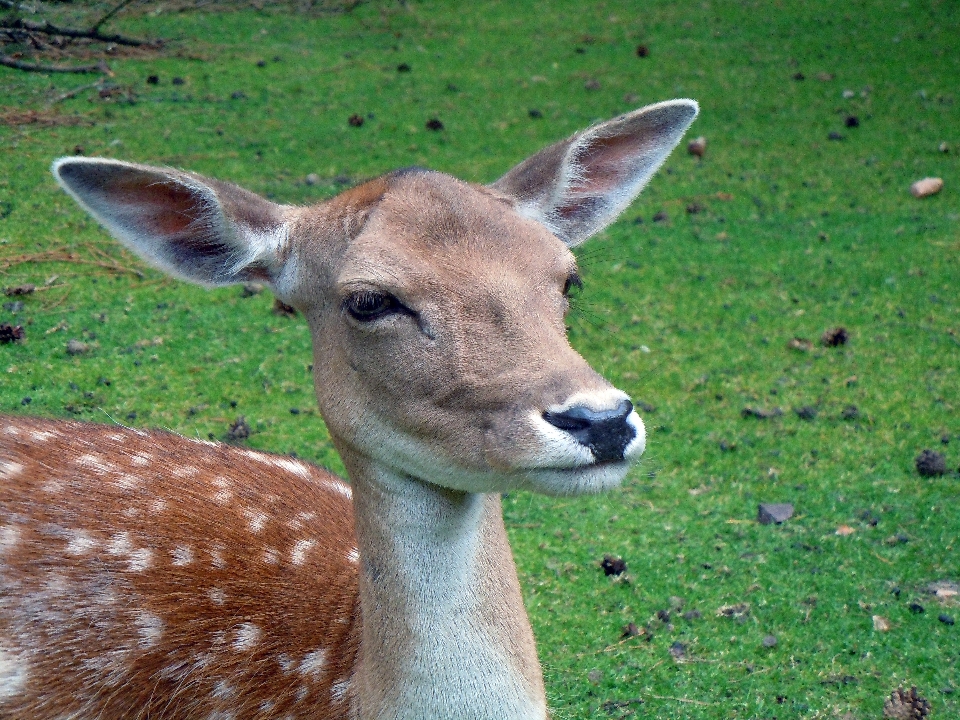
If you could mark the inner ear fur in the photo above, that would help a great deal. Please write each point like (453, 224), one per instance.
(580, 185)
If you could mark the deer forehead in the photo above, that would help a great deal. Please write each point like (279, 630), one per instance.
(429, 233)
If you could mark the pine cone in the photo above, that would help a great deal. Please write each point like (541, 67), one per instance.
(903, 705)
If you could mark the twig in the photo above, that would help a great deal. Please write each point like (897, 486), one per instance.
(683, 700)
(73, 93)
(48, 28)
(32, 67)
(65, 256)
(96, 26)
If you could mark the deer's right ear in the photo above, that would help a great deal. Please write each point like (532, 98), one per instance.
(201, 230)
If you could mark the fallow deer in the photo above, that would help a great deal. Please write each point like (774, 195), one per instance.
(148, 575)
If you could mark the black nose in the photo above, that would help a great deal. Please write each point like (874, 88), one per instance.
(606, 432)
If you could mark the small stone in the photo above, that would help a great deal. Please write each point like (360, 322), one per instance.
(845, 530)
(534, 113)
(630, 630)
(852, 121)
(18, 290)
(850, 412)
(807, 412)
(946, 619)
(835, 337)
(239, 430)
(642, 51)
(434, 124)
(355, 120)
(761, 413)
(943, 147)
(770, 513)
(77, 347)
(770, 641)
(591, 84)
(916, 608)
(880, 623)
(403, 68)
(261, 63)
(800, 344)
(11, 333)
(312, 179)
(613, 565)
(678, 650)
(926, 187)
(697, 146)
(834, 135)
(930, 463)
(153, 79)
(849, 94)
(178, 81)
(595, 676)
(799, 76)
(691, 615)
(824, 76)
(661, 216)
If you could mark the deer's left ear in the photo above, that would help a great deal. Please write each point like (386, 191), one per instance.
(201, 230)
(580, 185)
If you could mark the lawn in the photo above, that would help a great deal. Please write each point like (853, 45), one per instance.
(706, 302)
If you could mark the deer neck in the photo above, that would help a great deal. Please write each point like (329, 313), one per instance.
(445, 634)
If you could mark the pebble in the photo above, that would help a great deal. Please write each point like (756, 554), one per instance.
(926, 187)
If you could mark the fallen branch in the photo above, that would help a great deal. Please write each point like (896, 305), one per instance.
(8, 61)
(48, 28)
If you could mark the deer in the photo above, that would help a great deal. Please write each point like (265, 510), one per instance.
(144, 574)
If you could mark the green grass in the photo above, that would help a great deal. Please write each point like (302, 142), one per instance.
(796, 234)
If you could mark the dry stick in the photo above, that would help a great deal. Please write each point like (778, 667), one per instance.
(683, 700)
(96, 27)
(32, 67)
(76, 91)
(65, 256)
(48, 28)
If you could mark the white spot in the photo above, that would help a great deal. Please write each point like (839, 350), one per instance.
(149, 627)
(96, 463)
(10, 469)
(217, 596)
(42, 435)
(140, 560)
(177, 672)
(120, 544)
(354, 555)
(271, 556)
(158, 506)
(257, 521)
(216, 558)
(221, 715)
(142, 459)
(302, 693)
(11, 430)
(299, 552)
(130, 512)
(9, 537)
(117, 437)
(13, 674)
(80, 543)
(338, 691)
(223, 690)
(287, 664)
(267, 706)
(224, 493)
(182, 471)
(248, 635)
(127, 481)
(292, 466)
(313, 663)
(182, 555)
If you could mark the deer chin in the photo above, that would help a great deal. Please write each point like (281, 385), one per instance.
(583, 480)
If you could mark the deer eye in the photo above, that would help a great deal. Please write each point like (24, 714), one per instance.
(572, 283)
(369, 305)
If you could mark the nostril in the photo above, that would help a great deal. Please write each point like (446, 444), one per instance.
(580, 417)
(606, 432)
